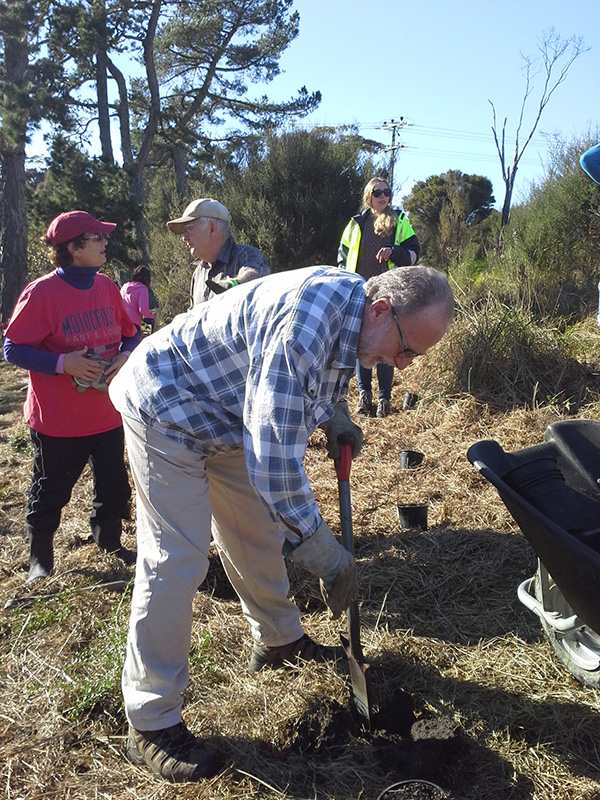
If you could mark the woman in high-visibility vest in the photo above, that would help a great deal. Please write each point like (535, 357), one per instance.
(376, 239)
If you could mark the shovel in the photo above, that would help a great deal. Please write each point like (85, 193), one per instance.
(359, 671)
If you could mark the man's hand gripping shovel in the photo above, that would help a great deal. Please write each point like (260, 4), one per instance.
(359, 671)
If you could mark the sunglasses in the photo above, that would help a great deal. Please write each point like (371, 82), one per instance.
(379, 192)
(96, 237)
(406, 351)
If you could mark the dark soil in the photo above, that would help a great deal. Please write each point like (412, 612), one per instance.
(430, 748)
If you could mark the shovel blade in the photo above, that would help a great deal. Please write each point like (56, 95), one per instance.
(360, 679)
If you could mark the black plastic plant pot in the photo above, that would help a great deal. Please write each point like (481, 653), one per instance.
(413, 790)
(413, 515)
(410, 459)
(410, 400)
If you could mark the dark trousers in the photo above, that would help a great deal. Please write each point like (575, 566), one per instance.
(57, 464)
(385, 378)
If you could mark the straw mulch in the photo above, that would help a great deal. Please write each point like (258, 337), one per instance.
(440, 618)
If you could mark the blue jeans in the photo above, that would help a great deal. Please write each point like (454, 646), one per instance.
(385, 378)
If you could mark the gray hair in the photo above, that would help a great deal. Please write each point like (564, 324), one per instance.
(412, 289)
(222, 224)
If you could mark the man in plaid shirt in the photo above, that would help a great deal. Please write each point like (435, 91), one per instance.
(218, 408)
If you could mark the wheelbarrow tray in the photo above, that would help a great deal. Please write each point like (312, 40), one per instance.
(569, 551)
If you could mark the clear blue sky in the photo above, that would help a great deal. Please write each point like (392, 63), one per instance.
(438, 64)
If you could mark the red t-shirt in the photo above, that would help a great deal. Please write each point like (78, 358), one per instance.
(52, 315)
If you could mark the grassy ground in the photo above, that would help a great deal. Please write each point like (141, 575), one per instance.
(440, 618)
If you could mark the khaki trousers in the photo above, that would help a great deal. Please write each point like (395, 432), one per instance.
(183, 498)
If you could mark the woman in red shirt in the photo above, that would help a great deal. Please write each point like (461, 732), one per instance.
(70, 330)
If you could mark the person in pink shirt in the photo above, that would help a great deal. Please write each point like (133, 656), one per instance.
(70, 330)
(137, 298)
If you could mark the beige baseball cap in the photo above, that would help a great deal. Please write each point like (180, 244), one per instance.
(205, 207)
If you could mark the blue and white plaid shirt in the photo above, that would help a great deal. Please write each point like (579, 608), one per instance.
(258, 367)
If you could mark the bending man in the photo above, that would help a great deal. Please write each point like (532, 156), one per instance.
(218, 408)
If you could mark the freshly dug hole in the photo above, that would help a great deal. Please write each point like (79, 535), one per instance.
(430, 747)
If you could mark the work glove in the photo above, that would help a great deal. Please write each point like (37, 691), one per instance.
(221, 284)
(322, 555)
(100, 383)
(340, 425)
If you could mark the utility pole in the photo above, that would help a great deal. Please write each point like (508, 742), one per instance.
(393, 125)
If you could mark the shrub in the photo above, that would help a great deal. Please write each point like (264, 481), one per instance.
(503, 356)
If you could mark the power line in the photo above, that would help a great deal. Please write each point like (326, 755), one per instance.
(472, 136)
(451, 133)
(479, 138)
(482, 157)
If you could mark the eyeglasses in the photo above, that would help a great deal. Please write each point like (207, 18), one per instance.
(190, 225)
(379, 192)
(406, 351)
(96, 237)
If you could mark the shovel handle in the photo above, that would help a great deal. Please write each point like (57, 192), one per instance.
(342, 467)
(344, 462)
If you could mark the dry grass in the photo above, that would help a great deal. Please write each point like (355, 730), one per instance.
(505, 356)
(440, 620)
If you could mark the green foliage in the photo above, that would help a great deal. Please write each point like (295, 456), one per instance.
(205, 56)
(43, 614)
(96, 670)
(552, 245)
(73, 180)
(31, 79)
(446, 211)
(37, 258)
(172, 265)
(290, 196)
(32, 90)
(172, 268)
(200, 660)
(21, 441)
(293, 199)
(208, 53)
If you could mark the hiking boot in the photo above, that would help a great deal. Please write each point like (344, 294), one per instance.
(128, 557)
(173, 753)
(38, 570)
(365, 401)
(107, 535)
(303, 649)
(41, 555)
(383, 407)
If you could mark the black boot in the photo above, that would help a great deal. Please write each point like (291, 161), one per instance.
(107, 535)
(41, 554)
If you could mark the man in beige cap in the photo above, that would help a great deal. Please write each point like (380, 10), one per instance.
(206, 229)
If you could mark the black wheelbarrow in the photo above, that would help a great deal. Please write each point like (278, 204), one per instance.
(552, 491)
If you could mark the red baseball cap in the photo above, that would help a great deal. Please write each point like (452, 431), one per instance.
(73, 223)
